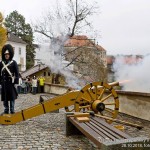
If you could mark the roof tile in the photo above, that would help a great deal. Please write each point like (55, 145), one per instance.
(80, 41)
(14, 38)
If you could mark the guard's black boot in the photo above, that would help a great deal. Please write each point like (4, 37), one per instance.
(6, 112)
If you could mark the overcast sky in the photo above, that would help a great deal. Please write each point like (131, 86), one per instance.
(124, 25)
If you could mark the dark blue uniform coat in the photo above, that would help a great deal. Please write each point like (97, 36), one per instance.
(8, 91)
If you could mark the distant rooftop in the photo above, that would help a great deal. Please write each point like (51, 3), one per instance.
(14, 38)
(82, 40)
(126, 59)
(33, 70)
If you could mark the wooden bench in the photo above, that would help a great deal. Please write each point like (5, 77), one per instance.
(45, 98)
(102, 134)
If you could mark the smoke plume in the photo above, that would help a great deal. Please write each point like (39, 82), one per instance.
(135, 71)
(51, 53)
(53, 59)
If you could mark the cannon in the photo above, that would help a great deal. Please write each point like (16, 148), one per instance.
(99, 97)
(97, 101)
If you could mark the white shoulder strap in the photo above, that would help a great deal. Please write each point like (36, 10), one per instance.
(6, 67)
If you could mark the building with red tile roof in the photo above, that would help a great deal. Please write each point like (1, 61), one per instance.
(82, 40)
(87, 56)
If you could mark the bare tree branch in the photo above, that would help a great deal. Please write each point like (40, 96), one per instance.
(75, 15)
(42, 32)
(73, 60)
(72, 51)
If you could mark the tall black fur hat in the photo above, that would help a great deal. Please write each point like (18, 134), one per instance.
(10, 50)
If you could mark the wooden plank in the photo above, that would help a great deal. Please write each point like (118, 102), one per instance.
(109, 132)
(90, 134)
(98, 131)
(116, 131)
(104, 130)
(82, 119)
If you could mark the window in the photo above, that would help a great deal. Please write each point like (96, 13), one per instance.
(44, 73)
(49, 73)
(19, 51)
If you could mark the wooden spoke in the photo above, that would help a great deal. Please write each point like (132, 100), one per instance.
(95, 97)
(92, 89)
(90, 95)
(106, 97)
(101, 95)
(96, 92)
(86, 99)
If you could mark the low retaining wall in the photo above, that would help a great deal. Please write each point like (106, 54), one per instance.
(136, 104)
(55, 88)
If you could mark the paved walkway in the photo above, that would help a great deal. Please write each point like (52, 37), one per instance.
(47, 131)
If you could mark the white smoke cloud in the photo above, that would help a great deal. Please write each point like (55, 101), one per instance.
(53, 59)
(137, 74)
(51, 55)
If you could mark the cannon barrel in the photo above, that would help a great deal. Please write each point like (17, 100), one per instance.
(114, 84)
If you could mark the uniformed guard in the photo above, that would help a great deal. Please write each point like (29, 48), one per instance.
(9, 76)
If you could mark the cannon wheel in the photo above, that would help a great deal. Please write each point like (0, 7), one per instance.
(99, 93)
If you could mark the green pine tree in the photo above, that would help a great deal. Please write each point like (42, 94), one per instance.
(16, 24)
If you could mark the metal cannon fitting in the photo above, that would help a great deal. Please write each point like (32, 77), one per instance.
(114, 84)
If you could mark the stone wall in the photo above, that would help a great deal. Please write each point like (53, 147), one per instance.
(88, 61)
(135, 104)
(55, 88)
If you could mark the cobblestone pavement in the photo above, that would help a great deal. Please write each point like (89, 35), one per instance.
(47, 132)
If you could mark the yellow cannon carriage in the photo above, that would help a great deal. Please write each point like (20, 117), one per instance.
(99, 97)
